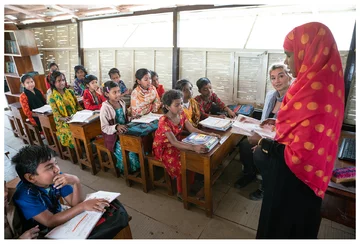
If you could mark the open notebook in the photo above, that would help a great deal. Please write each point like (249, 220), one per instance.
(84, 116)
(44, 109)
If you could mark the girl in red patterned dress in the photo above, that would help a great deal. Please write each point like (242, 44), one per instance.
(167, 141)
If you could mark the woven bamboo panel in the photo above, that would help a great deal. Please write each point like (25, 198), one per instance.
(91, 62)
(163, 67)
(144, 59)
(107, 61)
(124, 63)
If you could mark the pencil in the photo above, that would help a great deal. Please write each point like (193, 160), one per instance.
(79, 222)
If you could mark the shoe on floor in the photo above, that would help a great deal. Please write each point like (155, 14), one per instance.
(244, 181)
(257, 195)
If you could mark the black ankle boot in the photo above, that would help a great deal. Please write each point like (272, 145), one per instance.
(244, 181)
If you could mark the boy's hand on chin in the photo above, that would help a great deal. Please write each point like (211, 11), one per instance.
(65, 179)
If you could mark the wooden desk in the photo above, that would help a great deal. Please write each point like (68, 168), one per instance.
(339, 201)
(85, 132)
(207, 165)
(141, 146)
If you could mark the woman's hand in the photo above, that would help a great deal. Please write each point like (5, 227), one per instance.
(121, 128)
(31, 234)
(254, 139)
(231, 113)
(200, 149)
(96, 205)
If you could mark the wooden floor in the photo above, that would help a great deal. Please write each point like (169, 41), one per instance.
(158, 216)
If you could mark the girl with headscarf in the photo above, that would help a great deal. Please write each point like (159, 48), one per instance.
(301, 158)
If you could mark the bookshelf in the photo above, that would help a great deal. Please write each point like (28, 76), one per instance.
(21, 56)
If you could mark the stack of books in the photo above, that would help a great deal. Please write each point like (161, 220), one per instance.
(216, 123)
(200, 139)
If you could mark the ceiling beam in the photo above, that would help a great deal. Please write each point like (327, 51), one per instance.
(24, 11)
(65, 10)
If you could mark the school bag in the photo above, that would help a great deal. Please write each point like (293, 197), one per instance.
(141, 129)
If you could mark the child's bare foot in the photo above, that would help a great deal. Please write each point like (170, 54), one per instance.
(200, 195)
(179, 196)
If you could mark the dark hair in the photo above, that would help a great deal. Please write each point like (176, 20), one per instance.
(53, 64)
(29, 157)
(153, 74)
(140, 73)
(113, 71)
(180, 84)
(202, 82)
(169, 97)
(89, 78)
(107, 87)
(53, 77)
(77, 68)
(24, 77)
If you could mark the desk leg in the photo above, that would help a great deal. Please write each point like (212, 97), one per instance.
(143, 172)
(184, 181)
(79, 151)
(125, 155)
(90, 156)
(207, 189)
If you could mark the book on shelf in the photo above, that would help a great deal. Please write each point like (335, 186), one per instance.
(201, 139)
(84, 116)
(82, 224)
(44, 109)
(216, 123)
(148, 118)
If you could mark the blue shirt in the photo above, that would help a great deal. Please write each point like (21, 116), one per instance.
(122, 86)
(33, 200)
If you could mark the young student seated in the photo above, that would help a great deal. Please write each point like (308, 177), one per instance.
(13, 225)
(115, 76)
(113, 120)
(30, 99)
(42, 184)
(155, 82)
(209, 101)
(144, 97)
(64, 104)
(52, 67)
(93, 96)
(167, 141)
(79, 86)
(190, 106)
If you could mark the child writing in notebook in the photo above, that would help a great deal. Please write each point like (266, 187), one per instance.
(30, 99)
(190, 106)
(155, 82)
(113, 120)
(93, 96)
(167, 141)
(79, 85)
(115, 76)
(144, 97)
(209, 101)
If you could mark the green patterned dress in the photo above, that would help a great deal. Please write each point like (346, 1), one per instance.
(63, 106)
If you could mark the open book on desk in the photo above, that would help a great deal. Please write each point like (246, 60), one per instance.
(44, 109)
(84, 116)
(148, 118)
(82, 224)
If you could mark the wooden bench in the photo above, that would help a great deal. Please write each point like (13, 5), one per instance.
(12, 123)
(164, 181)
(110, 161)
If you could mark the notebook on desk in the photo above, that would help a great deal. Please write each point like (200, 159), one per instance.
(347, 150)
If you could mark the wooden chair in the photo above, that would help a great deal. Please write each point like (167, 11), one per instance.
(164, 181)
(110, 162)
(34, 134)
(19, 118)
(12, 123)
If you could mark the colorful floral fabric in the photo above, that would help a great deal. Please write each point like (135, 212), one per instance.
(205, 106)
(144, 101)
(310, 118)
(162, 148)
(193, 112)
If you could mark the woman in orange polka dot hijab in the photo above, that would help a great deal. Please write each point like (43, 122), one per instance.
(308, 128)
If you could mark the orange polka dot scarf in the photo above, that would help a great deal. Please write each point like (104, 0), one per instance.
(310, 118)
